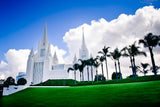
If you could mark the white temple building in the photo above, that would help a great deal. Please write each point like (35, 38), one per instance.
(42, 66)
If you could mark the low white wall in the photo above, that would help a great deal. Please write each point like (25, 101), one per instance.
(13, 89)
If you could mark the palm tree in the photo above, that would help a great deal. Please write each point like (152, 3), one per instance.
(104, 52)
(101, 59)
(127, 53)
(135, 52)
(150, 41)
(96, 64)
(131, 52)
(118, 55)
(81, 67)
(87, 63)
(75, 68)
(91, 63)
(144, 67)
(114, 56)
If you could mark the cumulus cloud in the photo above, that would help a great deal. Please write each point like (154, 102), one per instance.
(16, 62)
(119, 32)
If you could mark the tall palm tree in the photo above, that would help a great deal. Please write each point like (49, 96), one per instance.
(150, 41)
(135, 52)
(81, 67)
(105, 52)
(87, 63)
(75, 68)
(114, 56)
(96, 64)
(128, 53)
(118, 55)
(91, 62)
(101, 59)
(131, 52)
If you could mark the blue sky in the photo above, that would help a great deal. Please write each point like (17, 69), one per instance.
(22, 21)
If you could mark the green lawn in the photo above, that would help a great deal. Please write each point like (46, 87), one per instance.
(119, 95)
(70, 82)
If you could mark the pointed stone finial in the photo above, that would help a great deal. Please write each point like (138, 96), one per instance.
(55, 58)
(31, 52)
(74, 59)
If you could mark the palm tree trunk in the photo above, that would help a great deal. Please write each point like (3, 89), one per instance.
(106, 68)
(82, 77)
(102, 72)
(119, 69)
(97, 74)
(132, 67)
(75, 76)
(153, 62)
(116, 71)
(92, 74)
(88, 73)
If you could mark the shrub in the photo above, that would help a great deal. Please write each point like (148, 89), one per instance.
(21, 81)
(9, 81)
(114, 75)
(131, 76)
(99, 77)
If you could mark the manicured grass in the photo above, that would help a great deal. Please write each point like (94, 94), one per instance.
(70, 82)
(57, 82)
(130, 80)
(118, 95)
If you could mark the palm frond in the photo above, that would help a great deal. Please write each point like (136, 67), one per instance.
(100, 52)
(70, 69)
(141, 41)
(75, 66)
(125, 55)
(142, 53)
(144, 65)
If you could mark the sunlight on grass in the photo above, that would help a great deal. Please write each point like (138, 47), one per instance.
(141, 94)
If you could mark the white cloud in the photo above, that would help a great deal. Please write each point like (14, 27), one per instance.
(119, 32)
(16, 62)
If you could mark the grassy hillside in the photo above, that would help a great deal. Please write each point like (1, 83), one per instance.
(118, 95)
(70, 82)
(57, 82)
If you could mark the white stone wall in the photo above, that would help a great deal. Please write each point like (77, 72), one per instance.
(13, 89)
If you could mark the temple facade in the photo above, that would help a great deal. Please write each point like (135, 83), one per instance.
(42, 66)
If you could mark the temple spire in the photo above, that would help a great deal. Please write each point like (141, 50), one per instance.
(83, 52)
(74, 59)
(32, 52)
(83, 40)
(44, 38)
